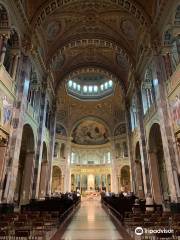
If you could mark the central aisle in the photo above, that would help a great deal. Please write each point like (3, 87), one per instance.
(91, 222)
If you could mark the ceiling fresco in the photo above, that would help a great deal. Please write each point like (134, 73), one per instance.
(105, 36)
(99, 33)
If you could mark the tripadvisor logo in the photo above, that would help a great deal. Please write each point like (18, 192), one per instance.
(139, 231)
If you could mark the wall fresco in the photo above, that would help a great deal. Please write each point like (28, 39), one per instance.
(90, 132)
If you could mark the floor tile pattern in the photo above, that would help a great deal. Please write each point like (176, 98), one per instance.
(91, 222)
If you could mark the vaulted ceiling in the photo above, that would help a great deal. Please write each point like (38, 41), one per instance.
(107, 34)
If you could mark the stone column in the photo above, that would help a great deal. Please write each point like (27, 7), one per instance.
(101, 182)
(28, 178)
(3, 150)
(1, 43)
(14, 67)
(168, 138)
(67, 166)
(17, 128)
(80, 183)
(142, 142)
(3, 50)
(43, 177)
(51, 153)
(139, 179)
(41, 130)
(130, 152)
(62, 184)
(155, 181)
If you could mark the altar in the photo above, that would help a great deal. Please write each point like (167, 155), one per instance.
(91, 178)
(90, 183)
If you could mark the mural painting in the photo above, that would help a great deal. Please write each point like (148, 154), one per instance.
(90, 132)
(175, 109)
(6, 112)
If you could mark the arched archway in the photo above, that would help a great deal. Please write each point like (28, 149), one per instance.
(125, 178)
(25, 175)
(160, 187)
(56, 179)
(44, 172)
(138, 172)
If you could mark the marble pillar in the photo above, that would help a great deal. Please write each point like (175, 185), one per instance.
(142, 143)
(51, 150)
(27, 181)
(43, 182)
(155, 181)
(14, 67)
(3, 150)
(3, 49)
(130, 152)
(41, 130)
(168, 138)
(17, 128)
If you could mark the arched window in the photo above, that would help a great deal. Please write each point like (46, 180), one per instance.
(133, 111)
(177, 16)
(147, 90)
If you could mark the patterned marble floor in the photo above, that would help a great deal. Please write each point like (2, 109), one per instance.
(91, 222)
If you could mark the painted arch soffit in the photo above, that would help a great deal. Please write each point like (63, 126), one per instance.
(38, 10)
(60, 26)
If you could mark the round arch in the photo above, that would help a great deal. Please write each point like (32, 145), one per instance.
(57, 181)
(160, 186)
(125, 178)
(23, 191)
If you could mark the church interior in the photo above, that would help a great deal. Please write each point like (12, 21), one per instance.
(89, 119)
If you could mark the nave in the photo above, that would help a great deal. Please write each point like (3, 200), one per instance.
(92, 222)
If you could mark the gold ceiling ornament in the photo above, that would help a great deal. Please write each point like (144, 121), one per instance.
(90, 47)
(130, 6)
